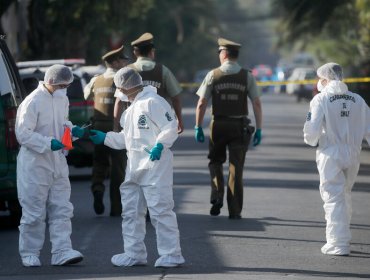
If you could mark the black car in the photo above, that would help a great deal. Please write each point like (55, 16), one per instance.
(11, 95)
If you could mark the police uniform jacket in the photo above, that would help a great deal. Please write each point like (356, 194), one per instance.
(169, 83)
(227, 68)
(101, 89)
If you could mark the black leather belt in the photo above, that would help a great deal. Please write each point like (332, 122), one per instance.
(229, 118)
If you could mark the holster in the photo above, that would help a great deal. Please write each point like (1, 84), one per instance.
(248, 130)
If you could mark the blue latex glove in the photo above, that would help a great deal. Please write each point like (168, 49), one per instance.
(199, 135)
(97, 136)
(56, 145)
(155, 152)
(257, 137)
(78, 131)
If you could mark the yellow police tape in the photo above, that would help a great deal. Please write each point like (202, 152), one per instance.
(276, 83)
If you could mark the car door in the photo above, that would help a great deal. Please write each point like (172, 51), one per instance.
(10, 97)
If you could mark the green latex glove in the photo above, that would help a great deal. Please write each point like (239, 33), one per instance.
(97, 136)
(56, 145)
(78, 131)
(155, 152)
(199, 135)
(257, 137)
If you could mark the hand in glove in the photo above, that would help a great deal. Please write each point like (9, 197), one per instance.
(155, 152)
(78, 131)
(56, 145)
(199, 135)
(97, 136)
(257, 137)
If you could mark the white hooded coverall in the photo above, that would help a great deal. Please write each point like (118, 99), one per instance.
(147, 121)
(338, 121)
(42, 174)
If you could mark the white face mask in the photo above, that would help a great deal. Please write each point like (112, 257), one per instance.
(61, 91)
(320, 87)
(131, 96)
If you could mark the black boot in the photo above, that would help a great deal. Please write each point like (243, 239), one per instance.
(98, 202)
(216, 208)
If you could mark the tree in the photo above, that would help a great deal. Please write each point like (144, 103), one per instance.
(182, 33)
(331, 29)
(77, 28)
(3, 7)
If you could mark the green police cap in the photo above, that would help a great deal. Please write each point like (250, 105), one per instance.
(143, 40)
(115, 53)
(224, 43)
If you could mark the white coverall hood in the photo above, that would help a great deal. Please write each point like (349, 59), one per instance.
(335, 87)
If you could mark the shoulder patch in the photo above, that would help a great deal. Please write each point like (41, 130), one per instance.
(142, 122)
(168, 116)
(308, 118)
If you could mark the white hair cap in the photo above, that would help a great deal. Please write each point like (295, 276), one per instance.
(330, 71)
(58, 75)
(127, 78)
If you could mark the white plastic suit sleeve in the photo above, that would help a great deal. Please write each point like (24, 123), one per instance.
(67, 121)
(367, 136)
(162, 115)
(115, 140)
(88, 93)
(313, 126)
(25, 126)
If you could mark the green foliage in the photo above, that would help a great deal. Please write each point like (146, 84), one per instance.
(3, 7)
(363, 8)
(77, 28)
(332, 29)
(181, 32)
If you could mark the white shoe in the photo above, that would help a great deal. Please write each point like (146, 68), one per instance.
(169, 261)
(29, 261)
(66, 257)
(124, 260)
(329, 249)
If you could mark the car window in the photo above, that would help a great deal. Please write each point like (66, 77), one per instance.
(31, 80)
(7, 84)
(311, 76)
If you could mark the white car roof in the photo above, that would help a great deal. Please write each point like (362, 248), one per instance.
(50, 62)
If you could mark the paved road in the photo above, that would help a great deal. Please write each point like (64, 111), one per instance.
(279, 236)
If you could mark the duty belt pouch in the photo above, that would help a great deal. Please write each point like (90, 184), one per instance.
(248, 130)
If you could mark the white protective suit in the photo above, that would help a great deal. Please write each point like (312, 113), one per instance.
(42, 177)
(338, 121)
(148, 120)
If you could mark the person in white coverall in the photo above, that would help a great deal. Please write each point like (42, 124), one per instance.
(149, 130)
(338, 121)
(42, 171)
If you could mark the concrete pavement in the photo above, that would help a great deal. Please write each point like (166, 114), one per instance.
(279, 237)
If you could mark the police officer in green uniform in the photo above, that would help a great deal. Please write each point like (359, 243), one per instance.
(106, 161)
(156, 74)
(230, 86)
